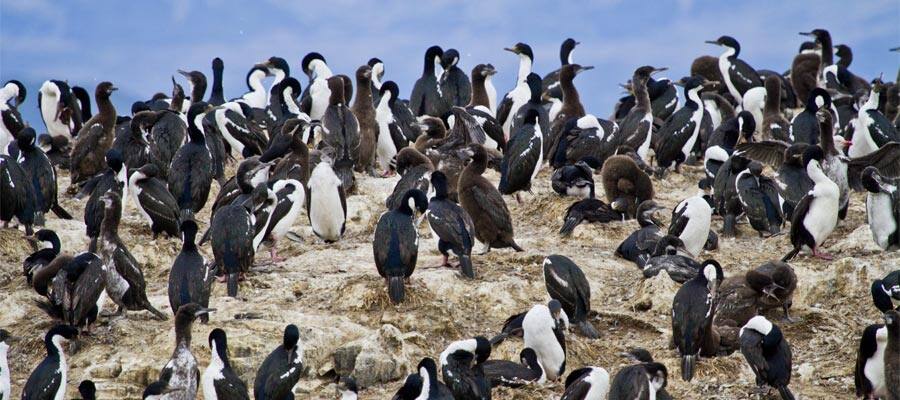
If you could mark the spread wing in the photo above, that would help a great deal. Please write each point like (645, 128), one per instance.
(886, 159)
(769, 152)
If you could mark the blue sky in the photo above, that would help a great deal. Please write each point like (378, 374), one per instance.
(138, 45)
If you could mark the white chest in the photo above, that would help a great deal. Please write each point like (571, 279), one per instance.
(881, 218)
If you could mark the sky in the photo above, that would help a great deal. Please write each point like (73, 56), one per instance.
(139, 45)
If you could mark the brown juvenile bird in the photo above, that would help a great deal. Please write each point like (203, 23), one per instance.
(481, 199)
(94, 139)
(625, 184)
(364, 110)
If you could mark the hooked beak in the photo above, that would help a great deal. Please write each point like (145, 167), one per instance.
(489, 72)
(769, 290)
(185, 74)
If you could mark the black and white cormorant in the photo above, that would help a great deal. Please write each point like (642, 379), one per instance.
(760, 200)
(232, 232)
(426, 97)
(543, 329)
(882, 208)
(550, 83)
(315, 97)
(73, 287)
(693, 310)
(190, 278)
(396, 243)
(871, 361)
(114, 179)
(575, 179)
(484, 203)
(257, 96)
(216, 94)
(589, 209)
(681, 131)
(181, 374)
(11, 122)
(587, 383)
(388, 134)
(48, 248)
(17, 197)
(721, 144)
(520, 95)
(456, 89)
(737, 74)
(42, 176)
(219, 381)
(886, 292)
(291, 198)
(424, 384)
(872, 129)
(60, 113)
(190, 175)
(515, 374)
(281, 369)
(817, 213)
(639, 245)
(566, 283)
(341, 131)
(637, 126)
(347, 388)
(243, 137)
(767, 351)
(805, 125)
(125, 282)
(326, 205)
(461, 367)
(668, 255)
(48, 380)
(646, 379)
(377, 67)
(690, 223)
(153, 200)
(523, 157)
(452, 226)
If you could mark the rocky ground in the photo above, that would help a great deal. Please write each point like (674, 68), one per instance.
(334, 294)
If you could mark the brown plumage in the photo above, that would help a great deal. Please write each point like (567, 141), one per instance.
(625, 184)
(737, 303)
(804, 74)
(571, 105)
(409, 158)
(707, 67)
(94, 139)
(775, 125)
(480, 74)
(433, 133)
(480, 198)
(364, 110)
(294, 165)
(775, 282)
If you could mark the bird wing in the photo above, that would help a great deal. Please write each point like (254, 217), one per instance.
(43, 382)
(157, 202)
(881, 129)
(769, 152)
(504, 109)
(231, 387)
(798, 215)
(679, 221)
(451, 224)
(751, 348)
(886, 159)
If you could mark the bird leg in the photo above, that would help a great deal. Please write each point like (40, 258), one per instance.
(518, 198)
(274, 253)
(787, 315)
(387, 174)
(822, 255)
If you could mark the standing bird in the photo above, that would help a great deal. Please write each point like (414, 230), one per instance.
(216, 94)
(774, 124)
(637, 126)
(681, 131)
(232, 233)
(483, 202)
(388, 129)
(42, 176)
(805, 125)
(396, 243)
(517, 97)
(16, 195)
(423, 384)
(452, 225)
(737, 74)
(426, 97)
(567, 284)
(816, 215)
(768, 353)
(693, 310)
(133, 142)
(484, 93)
(760, 200)
(690, 223)
(281, 369)
(805, 69)
(892, 354)
(125, 282)
(544, 331)
(341, 131)
(315, 98)
(871, 363)
(523, 157)
(326, 205)
(462, 370)
(219, 381)
(570, 107)
(189, 278)
(114, 179)
(75, 290)
(94, 138)
(11, 121)
(190, 175)
(87, 390)
(181, 374)
(588, 383)
(291, 197)
(60, 113)
(153, 200)
(872, 128)
(455, 86)
(550, 83)
(48, 380)
(364, 110)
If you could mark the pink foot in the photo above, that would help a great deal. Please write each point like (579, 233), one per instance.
(823, 255)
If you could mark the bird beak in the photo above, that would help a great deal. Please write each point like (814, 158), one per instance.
(204, 311)
(513, 49)
(661, 69)
(113, 89)
(184, 73)
(806, 34)
(715, 42)
(577, 43)
(490, 72)
(585, 68)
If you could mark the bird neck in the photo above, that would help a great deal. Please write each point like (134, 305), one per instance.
(111, 217)
(641, 95)
(479, 92)
(773, 96)
(524, 67)
(217, 92)
(107, 111)
(198, 90)
(363, 92)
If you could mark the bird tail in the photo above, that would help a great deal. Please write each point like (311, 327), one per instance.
(395, 289)
(785, 393)
(568, 227)
(515, 246)
(60, 212)
(149, 307)
(232, 284)
(39, 219)
(790, 254)
(465, 266)
(587, 330)
(688, 363)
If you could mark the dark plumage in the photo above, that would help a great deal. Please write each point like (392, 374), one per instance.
(425, 98)
(180, 374)
(638, 247)
(190, 175)
(693, 310)
(42, 176)
(364, 110)
(231, 234)
(566, 282)
(626, 184)
(456, 90)
(768, 353)
(668, 255)
(341, 132)
(515, 374)
(523, 156)
(591, 210)
(94, 138)
(493, 226)
(805, 125)
(396, 243)
(281, 369)
(461, 367)
(452, 225)
(190, 278)
(48, 380)
(575, 179)
(775, 282)
(219, 381)
(17, 197)
(681, 131)
(112, 180)
(154, 201)
(48, 248)
(886, 292)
